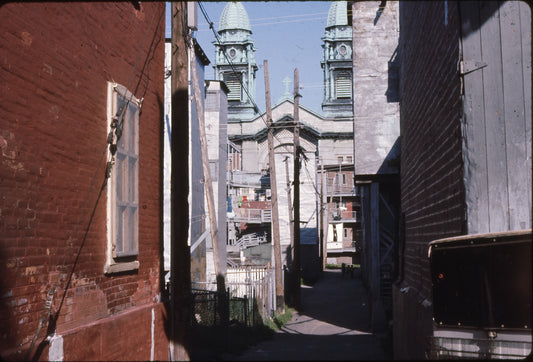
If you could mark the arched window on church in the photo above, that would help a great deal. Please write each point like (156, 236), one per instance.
(343, 85)
(233, 81)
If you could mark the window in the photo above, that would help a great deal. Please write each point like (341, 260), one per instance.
(344, 179)
(343, 85)
(349, 159)
(233, 81)
(339, 159)
(123, 182)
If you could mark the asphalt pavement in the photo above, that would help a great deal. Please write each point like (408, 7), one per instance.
(333, 324)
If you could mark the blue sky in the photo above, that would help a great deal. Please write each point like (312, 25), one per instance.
(287, 34)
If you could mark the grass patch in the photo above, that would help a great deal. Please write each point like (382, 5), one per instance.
(279, 320)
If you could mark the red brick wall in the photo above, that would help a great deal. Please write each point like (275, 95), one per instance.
(55, 61)
(432, 193)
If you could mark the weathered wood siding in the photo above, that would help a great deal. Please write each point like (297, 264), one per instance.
(497, 115)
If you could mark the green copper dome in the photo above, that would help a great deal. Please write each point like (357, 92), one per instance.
(337, 14)
(234, 16)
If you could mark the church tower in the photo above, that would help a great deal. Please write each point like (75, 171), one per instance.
(337, 63)
(235, 61)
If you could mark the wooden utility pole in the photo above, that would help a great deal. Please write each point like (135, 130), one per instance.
(180, 257)
(219, 247)
(280, 299)
(289, 201)
(296, 150)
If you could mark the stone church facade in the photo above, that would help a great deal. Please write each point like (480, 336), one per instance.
(326, 139)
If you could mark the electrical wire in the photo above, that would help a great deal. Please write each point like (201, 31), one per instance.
(305, 16)
(245, 88)
(311, 179)
(45, 314)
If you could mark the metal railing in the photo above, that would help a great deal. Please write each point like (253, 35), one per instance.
(340, 215)
(256, 283)
(250, 292)
(342, 189)
(250, 240)
(340, 244)
(257, 216)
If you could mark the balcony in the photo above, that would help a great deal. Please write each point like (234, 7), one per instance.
(252, 216)
(341, 190)
(338, 215)
(340, 247)
(248, 179)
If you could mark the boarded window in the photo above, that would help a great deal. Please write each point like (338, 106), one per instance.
(343, 85)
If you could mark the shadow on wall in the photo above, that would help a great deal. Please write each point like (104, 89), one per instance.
(393, 89)
(379, 12)
(484, 10)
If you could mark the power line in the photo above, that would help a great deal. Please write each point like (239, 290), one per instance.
(245, 88)
(288, 21)
(255, 25)
(281, 17)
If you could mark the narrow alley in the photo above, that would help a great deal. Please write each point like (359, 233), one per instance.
(333, 324)
(171, 170)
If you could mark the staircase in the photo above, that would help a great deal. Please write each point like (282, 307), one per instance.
(250, 240)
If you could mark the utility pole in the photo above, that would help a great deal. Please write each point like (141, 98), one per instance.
(289, 201)
(280, 299)
(219, 248)
(296, 150)
(180, 257)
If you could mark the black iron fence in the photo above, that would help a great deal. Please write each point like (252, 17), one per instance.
(207, 309)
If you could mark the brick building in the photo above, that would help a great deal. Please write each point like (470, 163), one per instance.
(87, 246)
(465, 116)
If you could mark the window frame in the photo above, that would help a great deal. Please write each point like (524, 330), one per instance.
(128, 149)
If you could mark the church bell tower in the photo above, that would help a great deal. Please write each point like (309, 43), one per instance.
(235, 61)
(337, 62)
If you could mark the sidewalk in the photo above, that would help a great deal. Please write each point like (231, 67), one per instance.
(333, 324)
